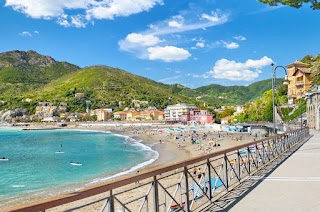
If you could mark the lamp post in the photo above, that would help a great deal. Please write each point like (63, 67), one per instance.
(285, 82)
(301, 92)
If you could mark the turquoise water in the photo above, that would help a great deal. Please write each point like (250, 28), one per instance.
(34, 166)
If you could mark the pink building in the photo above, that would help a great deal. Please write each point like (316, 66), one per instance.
(198, 116)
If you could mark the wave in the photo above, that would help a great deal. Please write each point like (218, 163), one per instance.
(152, 154)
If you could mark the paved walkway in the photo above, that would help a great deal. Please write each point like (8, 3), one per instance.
(293, 186)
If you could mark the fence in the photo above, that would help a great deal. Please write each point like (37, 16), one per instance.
(189, 185)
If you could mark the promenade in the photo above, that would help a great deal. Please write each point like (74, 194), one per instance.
(293, 186)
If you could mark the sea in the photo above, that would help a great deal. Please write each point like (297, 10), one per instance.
(39, 161)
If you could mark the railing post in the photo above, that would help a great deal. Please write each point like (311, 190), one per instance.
(187, 188)
(210, 183)
(248, 158)
(111, 205)
(226, 171)
(155, 194)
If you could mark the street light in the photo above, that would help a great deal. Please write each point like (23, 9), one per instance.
(285, 82)
(301, 92)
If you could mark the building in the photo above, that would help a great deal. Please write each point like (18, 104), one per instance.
(299, 80)
(197, 116)
(313, 108)
(225, 120)
(138, 103)
(174, 112)
(79, 95)
(151, 115)
(45, 109)
(120, 115)
(102, 114)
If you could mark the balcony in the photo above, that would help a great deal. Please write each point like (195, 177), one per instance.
(299, 83)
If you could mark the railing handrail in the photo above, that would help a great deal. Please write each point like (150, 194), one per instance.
(128, 179)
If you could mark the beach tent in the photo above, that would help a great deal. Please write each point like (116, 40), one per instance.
(215, 183)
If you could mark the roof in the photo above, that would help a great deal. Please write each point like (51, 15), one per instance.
(120, 113)
(298, 64)
(301, 71)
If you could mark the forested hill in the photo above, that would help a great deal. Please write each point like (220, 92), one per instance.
(230, 95)
(32, 76)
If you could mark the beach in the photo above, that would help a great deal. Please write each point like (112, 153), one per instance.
(174, 143)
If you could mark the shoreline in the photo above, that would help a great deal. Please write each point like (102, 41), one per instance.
(170, 149)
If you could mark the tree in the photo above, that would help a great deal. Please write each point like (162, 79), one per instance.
(315, 73)
(293, 3)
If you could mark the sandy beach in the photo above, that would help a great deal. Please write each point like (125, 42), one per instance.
(173, 142)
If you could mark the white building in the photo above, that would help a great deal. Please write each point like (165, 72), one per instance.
(174, 112)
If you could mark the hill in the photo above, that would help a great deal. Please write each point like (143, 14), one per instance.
(228, 95)
(105, 87)
(21, 71)
(27, 78)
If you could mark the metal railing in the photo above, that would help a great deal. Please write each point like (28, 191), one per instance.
(190, 185)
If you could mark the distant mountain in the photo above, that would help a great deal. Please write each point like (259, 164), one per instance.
(27, 78)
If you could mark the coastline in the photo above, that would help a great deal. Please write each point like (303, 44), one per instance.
(170, 148)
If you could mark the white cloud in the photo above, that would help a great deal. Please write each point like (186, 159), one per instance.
(190, 23)
(200, 44)
(236, 71)
(177, 22)
(25, 34)
(83, 11)
(240, 37)
(230, 45)
(144, 40)
(168, 53)
(109, 9)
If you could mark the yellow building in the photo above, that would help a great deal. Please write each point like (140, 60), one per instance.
(299, 80)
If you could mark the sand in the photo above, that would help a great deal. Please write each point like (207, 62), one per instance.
(172, 145)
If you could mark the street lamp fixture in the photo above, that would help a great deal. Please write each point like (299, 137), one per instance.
(285, 82)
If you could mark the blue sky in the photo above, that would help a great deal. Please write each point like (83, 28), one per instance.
(194, 43)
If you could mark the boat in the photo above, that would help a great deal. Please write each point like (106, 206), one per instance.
(4, 159)
(75, 164)
(59, 152)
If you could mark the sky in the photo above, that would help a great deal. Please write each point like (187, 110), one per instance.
(194, 43)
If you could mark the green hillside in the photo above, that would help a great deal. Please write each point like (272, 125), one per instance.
(234, 95)
(27, 78)
(105, 87)
(22, 71)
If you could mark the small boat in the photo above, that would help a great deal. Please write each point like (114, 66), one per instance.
(59, 152)
(75, 164)
(4, 159)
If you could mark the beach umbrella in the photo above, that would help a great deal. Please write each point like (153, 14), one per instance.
(196, 189)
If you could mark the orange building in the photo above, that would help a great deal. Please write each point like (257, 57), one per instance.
(299, 80)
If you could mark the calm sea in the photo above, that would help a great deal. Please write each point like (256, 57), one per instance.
(35, 168)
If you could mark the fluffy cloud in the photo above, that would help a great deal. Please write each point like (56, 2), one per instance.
(200, 44)
(25, 34)
(240, 37)
(86, 10)
(235, 71)
(177, 22)
(108, 9)
(144, 40)
(230, 45)
(168, 53)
